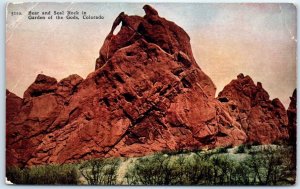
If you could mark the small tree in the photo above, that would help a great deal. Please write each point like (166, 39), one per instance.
(100, 171)
(241, 149)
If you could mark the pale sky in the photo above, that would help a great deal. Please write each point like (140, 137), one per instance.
(227, 39)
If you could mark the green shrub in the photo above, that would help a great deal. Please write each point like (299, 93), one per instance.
(267, 166)
(152, 170)
(262, 165)
(44, 174)
(100, 171)
(222, 150)
(241, 149)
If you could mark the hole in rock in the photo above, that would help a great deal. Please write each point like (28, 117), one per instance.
(117, 29)
(220, 134)
(186, 83)
(115, 100)
(74, 90)
(207, 139)
(232, 107)
(106, 102)
(129, 53)
(177, 72)
(40, 93)
(184, 60)
(88, 118)
(223, 99)
(119, 78)
(164, 91)
(128, 74)
(129, 97)
(36, 93)
(141, 29)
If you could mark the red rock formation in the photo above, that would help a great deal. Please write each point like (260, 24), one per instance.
(292, 117)
(264, 120)
(42, 85)
(147, 94)
(13, 105)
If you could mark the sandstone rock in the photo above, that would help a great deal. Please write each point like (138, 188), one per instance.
(37, 115)
(68, 86)
(42, 85)
(166, 35)
(13, 105)
(264, 120)
(146, 95)
(292, 117)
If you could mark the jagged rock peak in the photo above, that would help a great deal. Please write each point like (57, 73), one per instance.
(264, 120)
(43, 84)
(149, 10)
(240, 76)
(245, 87)
(41, 78)
(151, 28)
(292, 116)
(293, 103)
(68, 85)
(259, 85)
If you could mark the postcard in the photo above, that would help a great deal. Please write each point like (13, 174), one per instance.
(151, 94)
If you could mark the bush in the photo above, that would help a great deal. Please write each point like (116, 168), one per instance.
(152, 170)
(222, 150)
(44, 174)
(241, 149)
(100, 171)
(268, 166)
